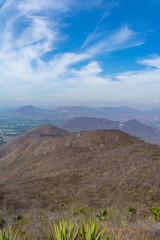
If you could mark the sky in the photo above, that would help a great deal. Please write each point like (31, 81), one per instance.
(79, 52)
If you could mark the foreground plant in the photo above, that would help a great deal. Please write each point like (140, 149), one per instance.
(59, 231)
(11, 234)
(156, 212)
(87, 231)
(91, 231)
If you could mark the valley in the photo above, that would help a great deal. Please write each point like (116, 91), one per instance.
(11, 127)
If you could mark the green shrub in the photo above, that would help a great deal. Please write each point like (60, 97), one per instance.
(79, 210)
(102, 213)
(156, 212)
(43, 218)
(132, 210)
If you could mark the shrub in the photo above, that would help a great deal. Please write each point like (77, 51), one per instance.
(156, 212)
(102, 213)
(132, 210)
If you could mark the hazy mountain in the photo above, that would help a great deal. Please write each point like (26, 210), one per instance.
(62, 113)
(132, 127)
(27, 112)
(85, 124)
(98, 169)
(138, 129)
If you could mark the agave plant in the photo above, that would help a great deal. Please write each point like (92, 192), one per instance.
(91, 231)
(59, 231)
(8, 234)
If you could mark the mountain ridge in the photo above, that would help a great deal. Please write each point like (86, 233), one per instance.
(111, 113)
(132, 127)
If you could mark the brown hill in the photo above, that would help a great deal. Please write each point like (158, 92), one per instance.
(34, 136)
(139, 129)
(80, 124)
(40, 173)
(133, 127)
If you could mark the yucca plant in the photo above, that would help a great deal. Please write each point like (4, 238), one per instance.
(11, 234)
(59, 231)
(8, 234)
(91, 231)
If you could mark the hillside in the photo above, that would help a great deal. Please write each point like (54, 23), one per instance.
(97, 169)
(31, 139)
(132, 127)
(80, 124)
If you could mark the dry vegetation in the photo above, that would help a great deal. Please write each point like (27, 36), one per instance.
(73, 176)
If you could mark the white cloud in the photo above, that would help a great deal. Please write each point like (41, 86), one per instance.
(88, 75)
(98, 32)
(92, 68)
(120, 39)
(147, 75)
(23, 67)
(154, 61)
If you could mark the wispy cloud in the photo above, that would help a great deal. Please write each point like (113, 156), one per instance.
(100, 28)
(120, 39)
(147, 76)
(31, 29)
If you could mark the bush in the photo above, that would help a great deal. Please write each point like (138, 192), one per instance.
(132, 210)
(156, 212)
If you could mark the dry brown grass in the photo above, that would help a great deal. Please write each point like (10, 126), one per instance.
(40, 174)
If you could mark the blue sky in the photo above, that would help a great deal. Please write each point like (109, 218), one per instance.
(71, 52)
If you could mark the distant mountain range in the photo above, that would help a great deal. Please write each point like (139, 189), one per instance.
(64, 113)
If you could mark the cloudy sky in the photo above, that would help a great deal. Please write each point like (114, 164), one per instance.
(68, 52)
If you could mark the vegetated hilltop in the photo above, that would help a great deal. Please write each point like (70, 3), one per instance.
(30, 140)
(99, 169)
(132, 127)
(139, 129)
(111, 113)
(80, 124)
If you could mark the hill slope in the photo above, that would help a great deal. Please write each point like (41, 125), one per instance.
(34, 136)
(98, 169)
(80, 124)
(139, 129)
(132, 127)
